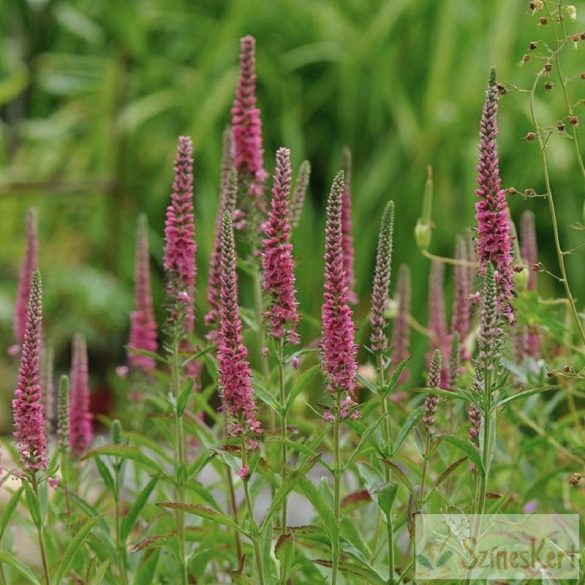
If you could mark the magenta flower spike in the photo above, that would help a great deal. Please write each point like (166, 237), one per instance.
(461, 315)
(228, 191)
(347, 228)
(437, 319)
(180, 246)
(338, 330)
(247, 126)
(235, 377)
(278, 267)
(28, 409)
(401, 331)
(80, 417)
(143, 334)
(29, 264)
(494, 240)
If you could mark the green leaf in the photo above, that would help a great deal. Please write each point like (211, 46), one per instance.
(412, 419)
(364, 440)
(9, 510)
(521, 395)
(101, 573)
(33, 504)
(130, 519)
(284, 552)
(385, 497)
(147, 568)
(105, 474)
(18, 566)
(184, 397)
(394, 378)
(400, 475)
(468, 449)
(126, 452)
(203, 512)
(74, 546)
(300, 384)
(325, 513)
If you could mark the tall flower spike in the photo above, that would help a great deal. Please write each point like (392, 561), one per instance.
(235, 377)
(247, 126)
(454, 361)
(228, 191)
(180, 246)
(63, 415)
(338, 330)
(142, 322)
(346, 227)
(277, 260)
(489, 337)
(80, 417)
(29, 417)
(29, 264)
(460, 317)
(401, 331)
(382, 275)
(529, 248)
(299, 193)
(433, 381)
(494, 241)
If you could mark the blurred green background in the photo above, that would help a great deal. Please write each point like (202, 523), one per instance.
(94, 94)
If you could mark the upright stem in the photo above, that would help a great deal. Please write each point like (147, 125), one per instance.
(119, 543)
(250, 507)
(283, 430)
(234, 510)
(336, 489)
(41, 535)
(64, 465)
(387, 474)
(180, 454)
(424, 469)
(553, 214)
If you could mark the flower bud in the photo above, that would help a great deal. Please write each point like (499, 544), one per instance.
(422, 234)
(521, 277)
(116, 432)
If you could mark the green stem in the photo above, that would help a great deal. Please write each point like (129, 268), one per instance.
(64, 464)
(283, 431)
(234, 510)
(250, 507)
(387, 473)
(424, 469)
(119, 543)
(336, 490)
(552, 211)
(180, 454)
(41, 535)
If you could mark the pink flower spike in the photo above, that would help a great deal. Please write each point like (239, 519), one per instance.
(494, 240)
(28, 266)
(235, 376)
(142, 322)
(247, 126)
(243, 472)
(228, 191)
(282, 315)
(460, 317)
(401, 331)
(180, 246)
(347, 228)
(433, 381)
(80, 417)
(28, 409)
(338, 330)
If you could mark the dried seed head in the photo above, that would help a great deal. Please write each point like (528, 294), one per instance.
(530, 136)
(548, 86)
(561, 126)
(571, 12)
(548, 67)
(543, 20)
(533, 45)
(574, 120)
(525, 58)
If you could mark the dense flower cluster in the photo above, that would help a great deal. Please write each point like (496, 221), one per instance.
(80, 416)
(381, 287)
(29, 417)
(338, 330)
(143, 335)
(494, 241)
(433, 381)
(247, 126)
(180, 246)
(235, 377)
(282, 315)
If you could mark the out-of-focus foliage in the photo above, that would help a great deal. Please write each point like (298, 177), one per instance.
(94, 94)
